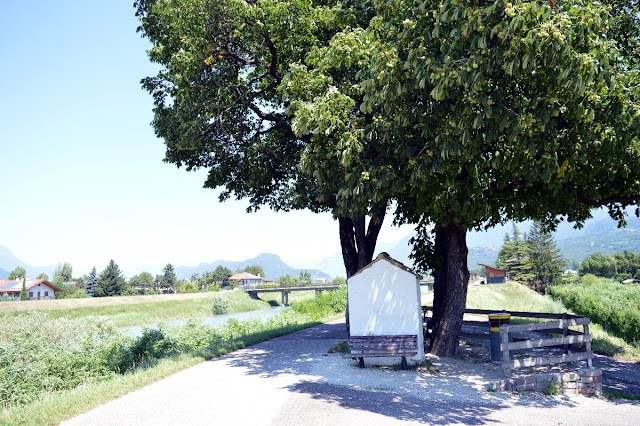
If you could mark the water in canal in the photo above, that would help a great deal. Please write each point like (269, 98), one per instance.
(212, 321)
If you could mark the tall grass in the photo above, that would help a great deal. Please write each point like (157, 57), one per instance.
(41, 355)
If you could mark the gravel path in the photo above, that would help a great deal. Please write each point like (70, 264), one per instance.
(292, 380)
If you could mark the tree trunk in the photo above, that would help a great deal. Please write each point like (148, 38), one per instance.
(451, 278)
(359, 242)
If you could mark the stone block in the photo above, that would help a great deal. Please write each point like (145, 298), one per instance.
(597, 379)
(587, 379)
(525, 387)
(570, 377)
(591, 372)
(572, 385)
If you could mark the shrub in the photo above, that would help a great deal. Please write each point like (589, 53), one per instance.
(613, 305)
(323, 304)
(221, 305)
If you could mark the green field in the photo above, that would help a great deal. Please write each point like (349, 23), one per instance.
(138, 310)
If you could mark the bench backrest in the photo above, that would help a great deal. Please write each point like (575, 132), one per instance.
(401, 343)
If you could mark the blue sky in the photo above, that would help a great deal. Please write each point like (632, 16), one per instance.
(82, 173)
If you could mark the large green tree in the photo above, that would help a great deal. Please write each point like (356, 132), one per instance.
(64, 272)
(464, 114)
(110, 281)
(545, 265)
(500, 110)
(169, 275)
(224, 96)
(18, 272)
(143, 280)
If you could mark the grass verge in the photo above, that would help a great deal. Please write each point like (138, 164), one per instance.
(140, 361)
(130, 310)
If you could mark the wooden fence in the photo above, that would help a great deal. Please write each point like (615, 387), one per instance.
(511, 343)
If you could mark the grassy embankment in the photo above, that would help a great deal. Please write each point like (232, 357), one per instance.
(137, 310)
(513, 296)
(69, 366)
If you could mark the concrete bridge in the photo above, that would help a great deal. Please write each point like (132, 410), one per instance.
(253, 292)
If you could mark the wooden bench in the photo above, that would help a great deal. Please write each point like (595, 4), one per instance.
(383, 346)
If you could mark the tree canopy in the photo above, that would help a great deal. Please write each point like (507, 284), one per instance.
(465, 114)
(63, 272)
(18, 272)
(232, 76)
(110, 281)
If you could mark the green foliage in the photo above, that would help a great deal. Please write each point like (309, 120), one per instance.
(325, 303)
(342, 348)
(92, 280)
(110, 282)
(64, 272)
(142, 281)
(70, 291)
(613, 305)
(305, 277)
(40, 354)
(43, 276)
(533, 259)
(186, 287)
(288, 281)
(339, 281)
(169, 277)
(220, 305)
(256, 270)
(18, 272)
(23, 291)
(621, 265)
(553, 388)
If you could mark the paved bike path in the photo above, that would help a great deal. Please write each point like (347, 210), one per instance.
(284, 382)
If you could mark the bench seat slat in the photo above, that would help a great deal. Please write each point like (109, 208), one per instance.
(377, 355)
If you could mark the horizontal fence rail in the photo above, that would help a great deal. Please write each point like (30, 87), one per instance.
(510, 343)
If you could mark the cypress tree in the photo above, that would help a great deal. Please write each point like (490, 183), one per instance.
(23, 293)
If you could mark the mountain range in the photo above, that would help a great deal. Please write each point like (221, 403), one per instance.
(273, 267)
(599, 233)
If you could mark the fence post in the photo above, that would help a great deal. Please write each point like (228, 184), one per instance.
(565, 332)
(506, 359)
(587, 346)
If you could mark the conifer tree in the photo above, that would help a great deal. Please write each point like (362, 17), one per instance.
(89, 287)
(544, 263)
(23, 292)
(110, 282)
(169, 276)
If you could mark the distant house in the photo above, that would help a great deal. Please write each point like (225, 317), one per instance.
(494, 275)
(246, 280)
(318, 280)
(36, 289)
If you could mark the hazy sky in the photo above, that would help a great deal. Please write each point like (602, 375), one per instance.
(82, 173)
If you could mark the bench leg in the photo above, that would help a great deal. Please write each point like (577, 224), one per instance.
(404, 365)
(361, 362)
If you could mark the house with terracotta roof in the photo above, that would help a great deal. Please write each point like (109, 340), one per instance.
(246, 279)
(38, 289)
